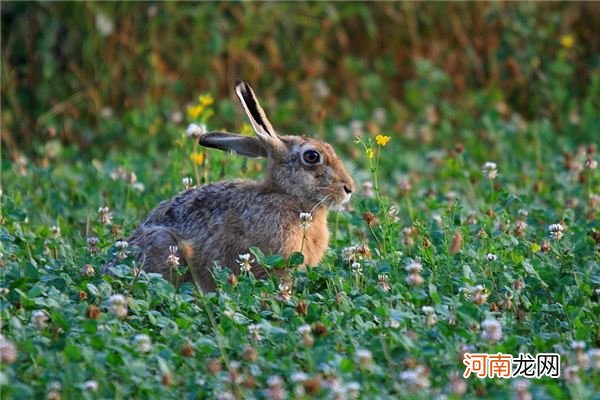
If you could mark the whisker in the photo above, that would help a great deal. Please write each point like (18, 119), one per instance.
(319, 203)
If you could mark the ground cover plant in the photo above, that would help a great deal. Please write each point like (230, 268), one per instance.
(475, 229)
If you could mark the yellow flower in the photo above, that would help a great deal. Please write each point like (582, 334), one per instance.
(370, 153)
(198, 158)
(247, 129)
(205, 100)
(382, 140)
(567, 41)
(194, 111)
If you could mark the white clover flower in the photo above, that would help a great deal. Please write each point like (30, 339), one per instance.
(143, 342)
(138, 186)
(104, 24)
(274, 380)
(571, 374)
(490, 170)
(394, 324)
(556, 231)
(414, 267)
(90, 386)
(299, 376)
(321, 89)
(196, 130)
(430, 316)
(520, 225)
(352, 390)
(383, 282)
(591, 164)
(521, 386)
(491, 330)
(254, 331)
(379, 115)
(367, 190)
(121, 246)
(172, 259)
(117, 299)
(349, 253)
(106, 112)
(427, 310)
(364, 358)
(356, 268)
(304, 329)
(285, 292)
(8, 351)
(117, 304)
(354, 253)
(594, 201)
(130, 177)
(451, 195)
(227, 395)
(457, 385)
(414, 278)
(39, 319)
(491, 257)
(415, 379)
(105, 215)
(578, 345)
(176, 117)
(356, 126)
(92, 243)
(187, 182)
(245, 261)
(55, 230)
(306, 219)
(594, 357)
(479, 294)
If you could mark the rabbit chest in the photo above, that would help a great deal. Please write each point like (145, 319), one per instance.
(313, 241)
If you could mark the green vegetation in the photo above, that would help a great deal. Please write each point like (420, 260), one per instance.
(482, 205)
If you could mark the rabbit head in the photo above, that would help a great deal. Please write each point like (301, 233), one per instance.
(306, 168)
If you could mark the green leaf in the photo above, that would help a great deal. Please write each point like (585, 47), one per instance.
(346, 365)
(72, 353)
(296, 259)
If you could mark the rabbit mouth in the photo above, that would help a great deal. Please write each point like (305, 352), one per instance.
(334, 200)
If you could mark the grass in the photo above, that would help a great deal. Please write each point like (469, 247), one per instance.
(440, 234)
(481, 209)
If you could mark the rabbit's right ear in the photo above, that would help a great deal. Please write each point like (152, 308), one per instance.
(261, 124)
(244, 145)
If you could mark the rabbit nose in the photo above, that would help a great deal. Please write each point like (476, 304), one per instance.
(347, 189)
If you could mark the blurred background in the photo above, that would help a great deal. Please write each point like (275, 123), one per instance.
(84, 79)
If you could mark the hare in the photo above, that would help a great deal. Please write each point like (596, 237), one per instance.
(218, 222)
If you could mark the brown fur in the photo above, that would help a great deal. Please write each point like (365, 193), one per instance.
(218, 222)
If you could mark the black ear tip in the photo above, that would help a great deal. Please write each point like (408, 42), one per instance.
(241, 83)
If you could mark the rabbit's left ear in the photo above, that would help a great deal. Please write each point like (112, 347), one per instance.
(243, 145)
(261, 124)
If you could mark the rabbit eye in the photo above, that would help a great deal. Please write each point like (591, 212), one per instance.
(311, 157)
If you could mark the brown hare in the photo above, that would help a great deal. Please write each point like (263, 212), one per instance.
(218, 222)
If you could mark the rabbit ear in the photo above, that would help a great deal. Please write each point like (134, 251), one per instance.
(261, 124)
(243, 145)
